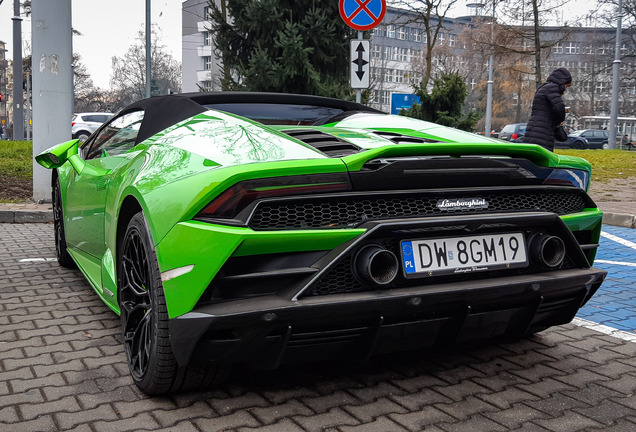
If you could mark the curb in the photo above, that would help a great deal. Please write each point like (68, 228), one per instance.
(26, 216)
(619, 219)
(46, 216)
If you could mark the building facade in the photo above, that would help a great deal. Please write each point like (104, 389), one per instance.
(199, 64)
(398, 48)
(399, 43)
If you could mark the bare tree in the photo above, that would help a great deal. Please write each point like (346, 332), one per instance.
(128, 81)
(430, 14)
(519, 29)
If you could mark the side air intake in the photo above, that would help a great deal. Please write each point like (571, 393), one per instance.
(328, 144)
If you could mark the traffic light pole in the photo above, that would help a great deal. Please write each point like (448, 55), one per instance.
(18, 96)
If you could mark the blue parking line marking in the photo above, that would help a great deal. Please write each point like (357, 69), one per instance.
(614, 304)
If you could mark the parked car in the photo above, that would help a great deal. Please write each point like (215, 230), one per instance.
(513, 132)
(84, 124)
(586, 139)
(261, 228)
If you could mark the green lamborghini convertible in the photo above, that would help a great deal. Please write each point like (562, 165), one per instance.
(260, 229)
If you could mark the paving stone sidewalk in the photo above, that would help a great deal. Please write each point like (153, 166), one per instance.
(62, 368)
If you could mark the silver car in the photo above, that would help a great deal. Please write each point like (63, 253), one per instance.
(84, 124)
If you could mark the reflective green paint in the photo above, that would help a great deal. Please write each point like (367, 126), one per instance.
(176, 173)
(592, 220)
(56, 156)
(230, 140)
(176, 201)
(92, 270)
(396, 123)
(208, 246)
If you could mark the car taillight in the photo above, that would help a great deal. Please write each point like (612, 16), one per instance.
(72, 124)
(569, 177)
(230, 202)
(514, 136)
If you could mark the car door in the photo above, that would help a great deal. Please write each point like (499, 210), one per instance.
(594, 138)
(86, 192)
(588, 137)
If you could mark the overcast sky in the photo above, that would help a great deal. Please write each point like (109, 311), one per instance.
(109, 27)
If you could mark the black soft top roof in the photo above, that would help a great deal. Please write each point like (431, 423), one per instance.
(162, 112)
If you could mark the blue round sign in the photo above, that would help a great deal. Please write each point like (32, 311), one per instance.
(362, 14)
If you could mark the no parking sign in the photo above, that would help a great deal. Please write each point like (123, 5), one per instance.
(362, 15)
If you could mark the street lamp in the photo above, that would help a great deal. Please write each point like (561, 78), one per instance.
(18, 96)
(491, 66)
(615, 79)
(478, 5)
(148, 49)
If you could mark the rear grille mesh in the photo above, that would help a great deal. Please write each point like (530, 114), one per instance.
(343, 211)
(341, 280)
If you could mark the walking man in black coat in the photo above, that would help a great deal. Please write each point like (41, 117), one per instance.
(548, 109)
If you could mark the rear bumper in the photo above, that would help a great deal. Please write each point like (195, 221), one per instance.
(267, 331)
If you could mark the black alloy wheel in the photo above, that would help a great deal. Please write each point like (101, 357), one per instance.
(144, 318)
(137, 309)
(61, 252)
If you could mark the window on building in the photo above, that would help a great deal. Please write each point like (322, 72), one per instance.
(395, 53)
(452, 40)
(604, 49)
(415, 35)
(380, 30)
(385, 97)
(403, 55)
(376, 51)
(557, 49)
(207, 38)
(390, 31)
(573, 48)
(402, 33)
(440, 39)
(206, 13)
(207, 62)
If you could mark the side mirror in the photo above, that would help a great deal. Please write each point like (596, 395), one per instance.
(57, 155)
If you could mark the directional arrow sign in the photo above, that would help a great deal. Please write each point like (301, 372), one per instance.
(360, 63)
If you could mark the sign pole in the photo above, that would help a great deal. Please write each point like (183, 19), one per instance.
(359, 91)
(361, 15)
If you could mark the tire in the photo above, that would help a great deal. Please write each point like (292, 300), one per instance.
(82, 135)
(61, 251)
(605, 146)
(579, 145)
(144, 318)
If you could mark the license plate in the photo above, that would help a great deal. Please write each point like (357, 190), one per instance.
(433, 257)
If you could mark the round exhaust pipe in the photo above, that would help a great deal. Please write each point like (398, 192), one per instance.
(547, 250)
(376, 265)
